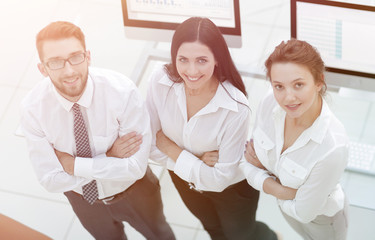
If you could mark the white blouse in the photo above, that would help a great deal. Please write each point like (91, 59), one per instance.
(313, 164)
(221, 125)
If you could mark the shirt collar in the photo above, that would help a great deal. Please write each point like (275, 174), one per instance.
(226, 97)
(85, 99)
(320, 127)
(317, 131)
(222, 98)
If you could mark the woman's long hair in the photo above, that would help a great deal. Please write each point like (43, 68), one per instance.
(206, 32)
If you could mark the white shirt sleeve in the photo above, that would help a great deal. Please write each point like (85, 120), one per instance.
(232, 144)
(134, 118)
(312, 196)
(48, 169)
(255, 176)
(155, 153)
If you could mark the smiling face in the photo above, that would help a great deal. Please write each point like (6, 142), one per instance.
(195, 64)
(295, 90)
(70, 81)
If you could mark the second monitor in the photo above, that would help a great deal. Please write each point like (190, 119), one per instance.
(344, 34)
(156, 20)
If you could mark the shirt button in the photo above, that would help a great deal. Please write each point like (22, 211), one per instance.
(293, 171)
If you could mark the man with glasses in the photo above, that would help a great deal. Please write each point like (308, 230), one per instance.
(80, 124)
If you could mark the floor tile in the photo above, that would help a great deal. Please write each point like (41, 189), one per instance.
(345, 179)
(253, 47)
(50, 218)
(18, 38)
(119, 53)
(276, 36)
(360, 190)
(184, 233)
(32, 75)
(369, 127)
(6, 94)
(269, 213)
(257, 89)
(11, 117)
(361, 223)
(17, 175)
(351, 112)
(202, 235)
(131, 233)
(77, 231)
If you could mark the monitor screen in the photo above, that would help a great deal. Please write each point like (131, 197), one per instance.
(344, 34)
(156, 20)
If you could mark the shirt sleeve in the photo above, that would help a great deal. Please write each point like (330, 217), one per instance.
(255, 176)
(232, 144)
(134, 118)
(155, 153)
(312, 196)
(47, 167)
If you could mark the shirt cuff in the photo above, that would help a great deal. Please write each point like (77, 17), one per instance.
(260, 178)
(158, 156)
(254, 175)
(288, 207)
(83, 167)
(184, 165)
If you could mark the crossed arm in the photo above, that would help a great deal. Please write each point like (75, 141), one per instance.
(272, 184)
(172, 150)
(129, 144)
(123, 147)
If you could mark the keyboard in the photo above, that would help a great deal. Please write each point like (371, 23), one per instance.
(361, 158)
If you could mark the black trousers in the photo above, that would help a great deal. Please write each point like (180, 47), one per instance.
(140, 205)
(229, 214)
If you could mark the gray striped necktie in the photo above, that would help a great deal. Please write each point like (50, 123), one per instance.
(90, 190)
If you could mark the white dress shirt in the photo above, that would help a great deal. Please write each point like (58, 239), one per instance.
(313, 164)
(111, 106)
(221, 125)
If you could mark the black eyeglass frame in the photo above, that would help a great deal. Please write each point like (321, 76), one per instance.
(47, 64)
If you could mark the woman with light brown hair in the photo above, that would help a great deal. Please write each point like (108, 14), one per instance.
(299, 148)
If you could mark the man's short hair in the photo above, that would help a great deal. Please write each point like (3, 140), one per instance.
(56, 31)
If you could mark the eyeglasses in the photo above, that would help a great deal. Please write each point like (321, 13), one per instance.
(60, 63)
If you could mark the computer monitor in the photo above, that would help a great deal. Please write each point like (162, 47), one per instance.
(344, 34)
(156, 20)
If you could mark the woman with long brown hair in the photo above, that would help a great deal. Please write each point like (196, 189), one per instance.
(199, 118)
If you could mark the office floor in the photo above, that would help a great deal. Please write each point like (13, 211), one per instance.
(264, 24)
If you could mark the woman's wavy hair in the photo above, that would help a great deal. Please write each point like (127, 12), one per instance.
(299, 52)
